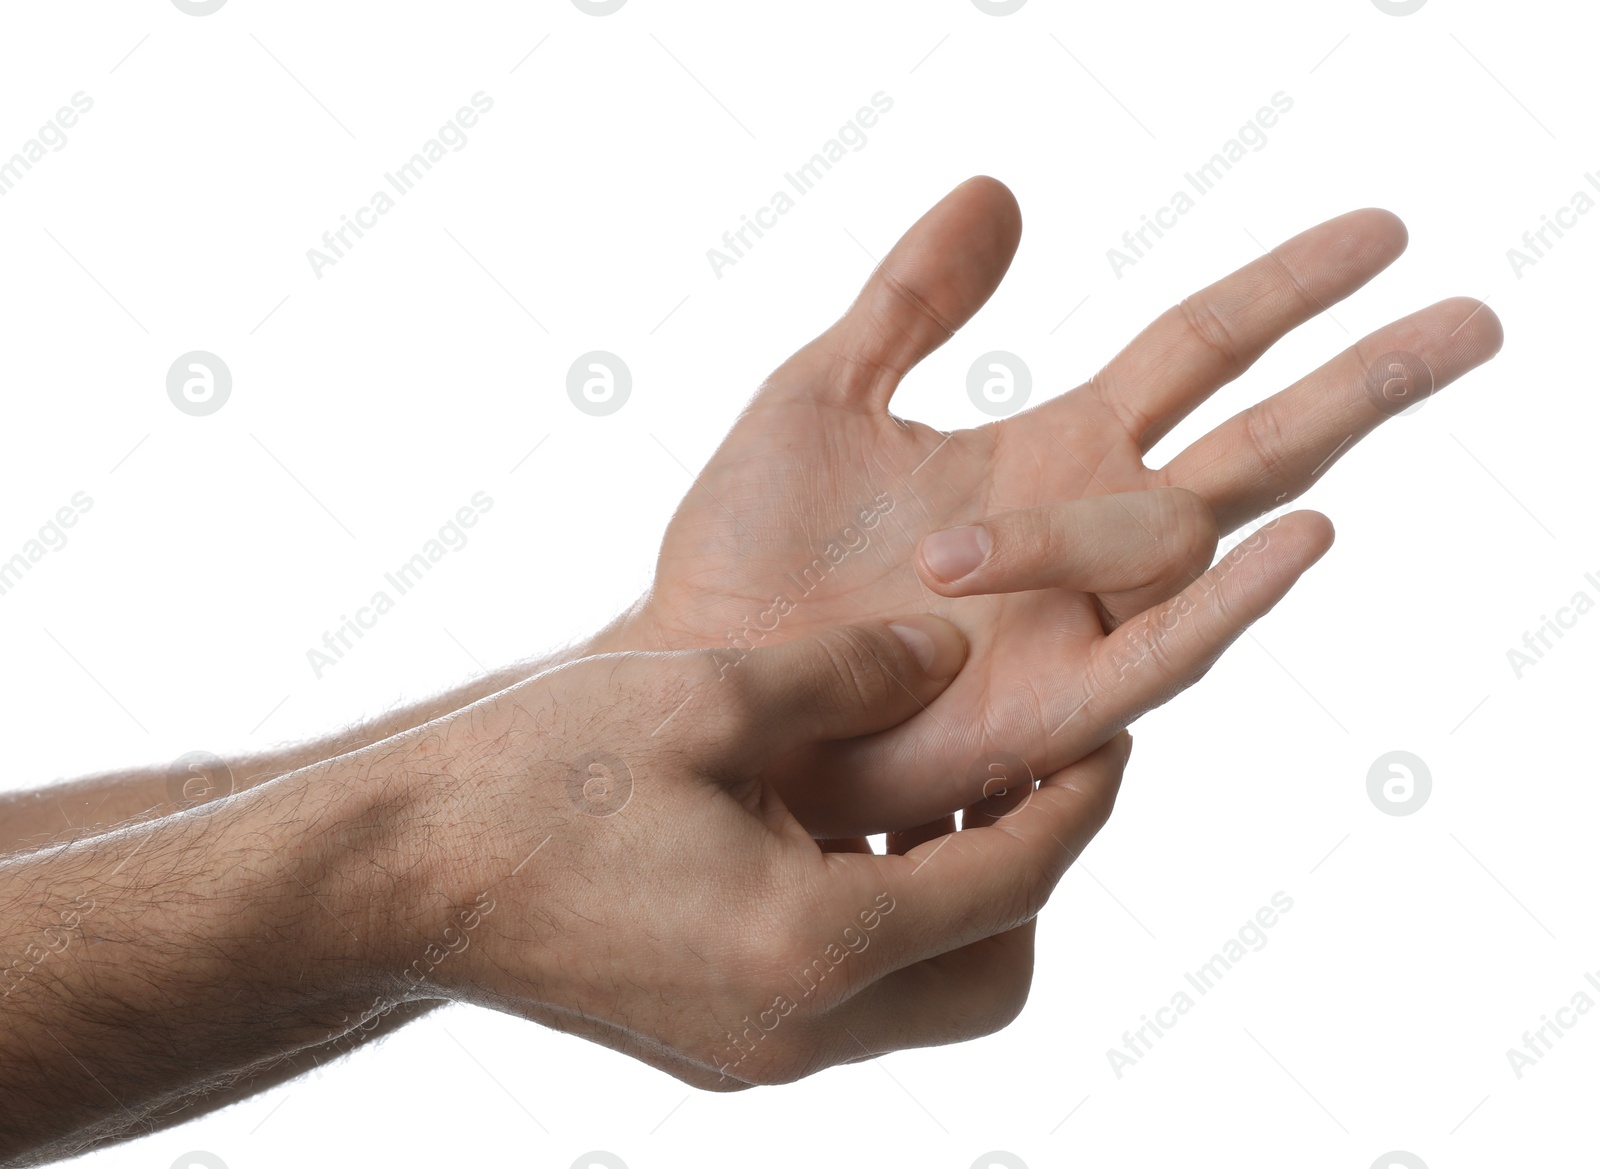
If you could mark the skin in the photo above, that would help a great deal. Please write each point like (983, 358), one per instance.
(99, 803)
(1085, 612)
(818, 443)
(476, 858)
(95, 805)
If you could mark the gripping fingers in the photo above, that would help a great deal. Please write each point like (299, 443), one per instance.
(847, 681)
(946, 951)
(982, 881)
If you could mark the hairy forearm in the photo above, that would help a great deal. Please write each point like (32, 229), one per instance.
(144, 966)
(99, 803)
(264, 1076)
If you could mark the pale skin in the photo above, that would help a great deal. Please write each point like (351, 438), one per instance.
(1085, 612)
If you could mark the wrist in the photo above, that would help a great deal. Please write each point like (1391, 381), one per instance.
(478, 814)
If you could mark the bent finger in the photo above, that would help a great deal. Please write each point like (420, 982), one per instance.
(984, 881)
(1137, 541)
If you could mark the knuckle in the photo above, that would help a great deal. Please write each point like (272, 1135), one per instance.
(906, 296)
(1030, 544)
(1263, 429)
(784, 941)
(1157, 634)
(1015, 539)
(1051, 539)
(770, 943)
(1207, 327)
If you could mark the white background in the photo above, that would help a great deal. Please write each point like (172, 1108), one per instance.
(371, 403)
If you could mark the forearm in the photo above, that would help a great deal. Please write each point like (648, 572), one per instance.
(169, 958)
(98, 803)
(263, 1077)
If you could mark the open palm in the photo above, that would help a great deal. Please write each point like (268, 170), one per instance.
(1087, 611)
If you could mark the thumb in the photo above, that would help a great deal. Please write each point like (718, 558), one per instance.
(850, 680)
(930, 284)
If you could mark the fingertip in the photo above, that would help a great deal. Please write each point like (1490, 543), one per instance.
(986, 181)
(1116, 750)
(1485, 334)
(1301, 537)
(937, 275)
(948, 556)
(1318, 533)
(1180, 497)
(1000, 198)
(1329, 534)
(1389, 227)
(937, 647)
(1494, 330)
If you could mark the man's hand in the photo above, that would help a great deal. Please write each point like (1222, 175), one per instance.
(616, 836)
(589, 848)
(811, 512)
(817, 460)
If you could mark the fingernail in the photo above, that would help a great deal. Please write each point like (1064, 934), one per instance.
(955, 552)
(939, 647)
(922, 646)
